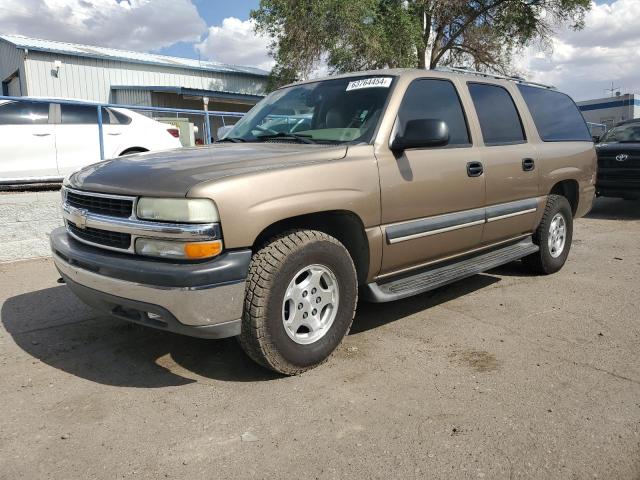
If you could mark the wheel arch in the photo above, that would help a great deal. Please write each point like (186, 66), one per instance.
(344, 225)
(132, 150)
(569, 189)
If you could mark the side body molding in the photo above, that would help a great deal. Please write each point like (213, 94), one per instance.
(400, 232)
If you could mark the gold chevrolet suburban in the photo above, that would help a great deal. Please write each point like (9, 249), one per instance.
(386, 183)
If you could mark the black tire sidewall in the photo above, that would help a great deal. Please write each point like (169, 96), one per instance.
(335, 258)
(551, 264)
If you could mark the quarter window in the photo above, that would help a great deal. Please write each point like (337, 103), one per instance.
(499, 119)
(556, 116)
(438, 100)
(111, 117)
(24, 113)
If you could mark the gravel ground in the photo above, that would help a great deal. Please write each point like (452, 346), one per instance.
(501, 376)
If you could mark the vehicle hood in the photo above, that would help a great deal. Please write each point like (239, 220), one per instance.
(173, 173)
(609, 148)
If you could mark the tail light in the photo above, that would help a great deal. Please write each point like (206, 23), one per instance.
(174, 132)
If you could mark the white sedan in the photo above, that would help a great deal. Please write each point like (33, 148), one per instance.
(45, 141)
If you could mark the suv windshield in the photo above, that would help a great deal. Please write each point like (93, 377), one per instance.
(329, 111)
(629, 133)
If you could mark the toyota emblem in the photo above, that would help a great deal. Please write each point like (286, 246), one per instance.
(622, 157)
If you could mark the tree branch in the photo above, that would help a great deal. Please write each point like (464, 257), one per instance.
(461, 30)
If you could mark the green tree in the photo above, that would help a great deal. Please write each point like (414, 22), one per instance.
(352, 35)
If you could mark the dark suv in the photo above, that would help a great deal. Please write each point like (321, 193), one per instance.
(619, 161)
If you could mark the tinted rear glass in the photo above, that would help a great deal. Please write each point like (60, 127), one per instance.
(556, 116)
(499, 119)
(435, 99)
(24, 113)
(79, 115)
(111, 117)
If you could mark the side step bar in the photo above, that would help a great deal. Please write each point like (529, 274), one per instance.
(437, 276)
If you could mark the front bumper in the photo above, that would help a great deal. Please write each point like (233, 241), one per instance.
(201, 300)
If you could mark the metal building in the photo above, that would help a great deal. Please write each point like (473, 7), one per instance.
(610, 110)
(46, 68)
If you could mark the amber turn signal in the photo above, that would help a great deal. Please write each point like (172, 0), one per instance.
(195, 251)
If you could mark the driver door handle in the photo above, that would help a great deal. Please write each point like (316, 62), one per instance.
(41, 134)
(474, 169)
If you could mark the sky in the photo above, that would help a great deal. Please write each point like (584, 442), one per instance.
(583, 63)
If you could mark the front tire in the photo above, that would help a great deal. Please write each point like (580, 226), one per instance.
(300, 300)
(553, 236)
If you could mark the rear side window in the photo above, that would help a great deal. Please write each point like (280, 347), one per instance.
(556, 116)
(24, 113)
(111, 117)
(436, 99)
(78, 115)
(499, 119)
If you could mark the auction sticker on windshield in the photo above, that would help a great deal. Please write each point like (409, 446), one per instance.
(374, 82)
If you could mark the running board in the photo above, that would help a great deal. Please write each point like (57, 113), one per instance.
(437, 276)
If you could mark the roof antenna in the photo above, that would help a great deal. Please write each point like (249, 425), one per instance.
(614, 91)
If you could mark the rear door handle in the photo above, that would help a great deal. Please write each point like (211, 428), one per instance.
(41, 134)
(113, 134)
(528, 164)
(474, 169)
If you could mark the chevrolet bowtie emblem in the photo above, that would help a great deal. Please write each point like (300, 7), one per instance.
(79, 217)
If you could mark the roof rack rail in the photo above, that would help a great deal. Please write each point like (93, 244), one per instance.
(469, 71)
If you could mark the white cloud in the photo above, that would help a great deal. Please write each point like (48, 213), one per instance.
(128, 24)
(584, 63)
(236, 42)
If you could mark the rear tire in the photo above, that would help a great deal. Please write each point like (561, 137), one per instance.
(553, 236)
(300, 300)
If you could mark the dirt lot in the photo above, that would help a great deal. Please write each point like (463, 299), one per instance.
(500, 376)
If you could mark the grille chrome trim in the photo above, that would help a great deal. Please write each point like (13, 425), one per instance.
(82, 218)
(144, 228)
(106, 238)
(105, 206)
(98, 245)
(100, 195)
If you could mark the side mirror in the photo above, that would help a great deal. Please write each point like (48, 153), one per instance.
(421, 133)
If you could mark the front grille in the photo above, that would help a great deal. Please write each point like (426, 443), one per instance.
(114, 207)
(608, 160)
(101, 237)
(619, 175)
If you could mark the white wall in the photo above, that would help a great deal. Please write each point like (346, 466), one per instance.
(26, 220)
(10, 62)
(132, 97)
(612, 115)
(91, 79)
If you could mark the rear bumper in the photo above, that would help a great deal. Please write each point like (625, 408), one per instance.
(200, 300)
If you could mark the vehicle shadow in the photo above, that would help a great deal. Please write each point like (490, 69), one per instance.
(614, 209)
(513, 269)
(54, 327)
(113, 352)
(373, 315)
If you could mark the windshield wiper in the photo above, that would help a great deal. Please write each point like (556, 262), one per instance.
(231, 139)
(300, 138)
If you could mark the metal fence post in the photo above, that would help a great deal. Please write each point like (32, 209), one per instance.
(100, 132)
(207, 139)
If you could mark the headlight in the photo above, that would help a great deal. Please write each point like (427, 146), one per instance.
(189, 210)
(151, 247)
